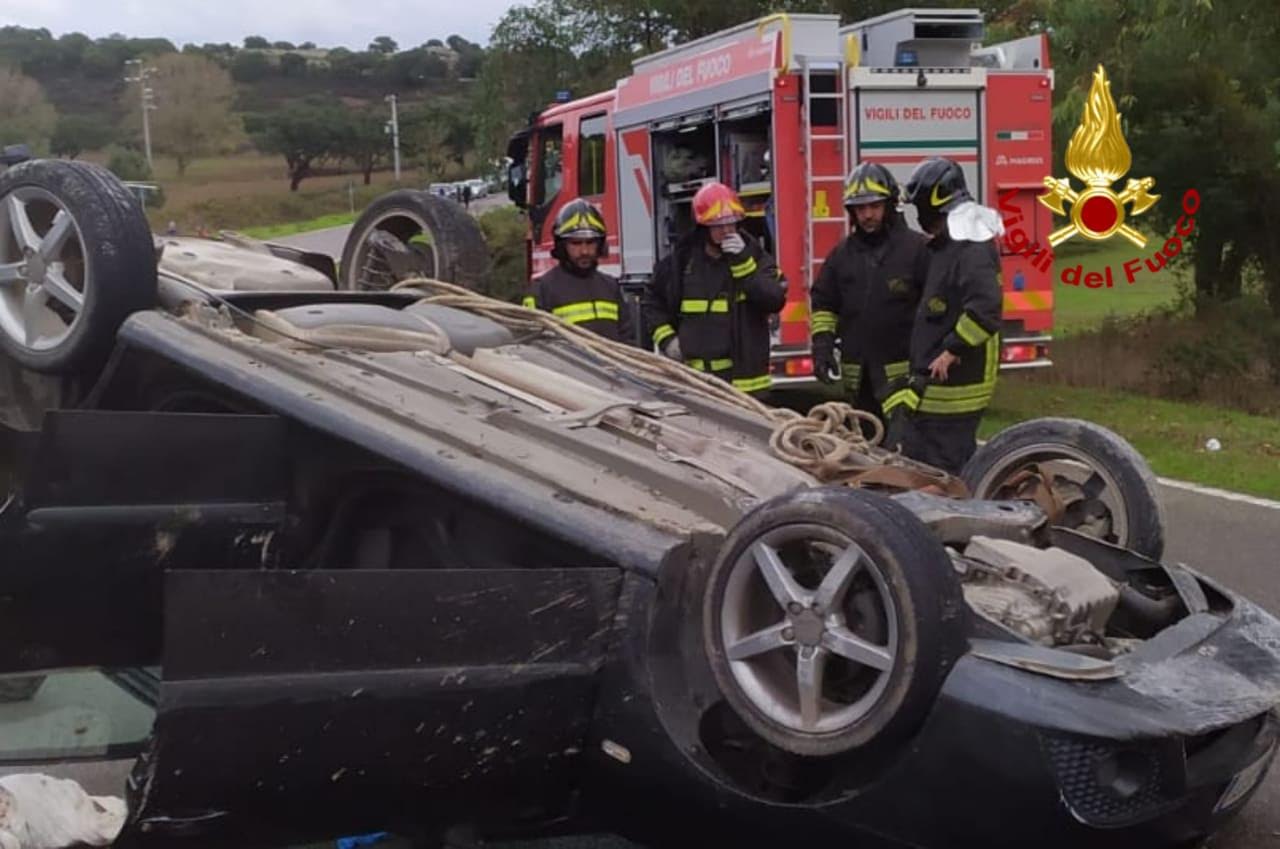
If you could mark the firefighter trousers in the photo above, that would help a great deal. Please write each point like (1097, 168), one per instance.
(943, 441)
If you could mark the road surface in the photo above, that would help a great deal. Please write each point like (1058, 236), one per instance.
(331, 239)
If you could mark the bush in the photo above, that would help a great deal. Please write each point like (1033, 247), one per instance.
(131, 167)
(505, 230)
(128, 164)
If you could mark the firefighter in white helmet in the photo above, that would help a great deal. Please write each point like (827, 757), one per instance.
(955, 341)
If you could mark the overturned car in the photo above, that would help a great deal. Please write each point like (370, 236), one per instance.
(418, 560)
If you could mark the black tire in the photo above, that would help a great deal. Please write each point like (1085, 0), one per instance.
(457, 252)
(928, 605)
(117, 274)
(1136, 520)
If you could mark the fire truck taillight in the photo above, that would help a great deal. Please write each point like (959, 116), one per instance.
(1023, 353)
(799, 367)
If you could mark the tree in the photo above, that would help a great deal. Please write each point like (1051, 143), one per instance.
(249, 66)
(193, 108)
(414, 68)
(25, 115)
(293, 65)
(362, 138)
(383, 44)
(439, 139)
(1198, 86)
(71, 49)
(74, 134)
(256, 42)
(283, 45)
(434, 42)
(303, 133)
(307, 45)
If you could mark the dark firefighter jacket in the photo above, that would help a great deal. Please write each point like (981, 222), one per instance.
(866, 294)
(592, 301)
(718, 307)
(959, 312)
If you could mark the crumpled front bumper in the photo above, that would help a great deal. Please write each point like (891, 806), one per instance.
(1162, 754)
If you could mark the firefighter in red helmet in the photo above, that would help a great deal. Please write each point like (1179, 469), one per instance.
(576, 290)
(709, 302)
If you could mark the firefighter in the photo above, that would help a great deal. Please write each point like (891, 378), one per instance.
(864, 300)
(710, 299)
(955, 342)
(576, 290)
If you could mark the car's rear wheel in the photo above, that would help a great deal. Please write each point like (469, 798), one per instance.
(1091, 478)
(831, 619)
(408, 234)
(76, 258)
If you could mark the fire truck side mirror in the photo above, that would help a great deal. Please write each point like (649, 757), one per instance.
(517, 185)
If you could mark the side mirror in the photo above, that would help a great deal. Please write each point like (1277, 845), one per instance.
(517, 185)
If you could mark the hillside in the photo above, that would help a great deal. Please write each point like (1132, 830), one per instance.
(86, 78)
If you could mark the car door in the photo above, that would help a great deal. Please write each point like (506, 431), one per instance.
(452, 687)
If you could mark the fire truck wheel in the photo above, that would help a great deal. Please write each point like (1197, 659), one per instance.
(409, 233)
(76, 258)
(1098, 482)
(830, 620)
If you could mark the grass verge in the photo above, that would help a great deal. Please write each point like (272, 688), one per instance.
(1078, 309)
(323, 222)
(1170, 434)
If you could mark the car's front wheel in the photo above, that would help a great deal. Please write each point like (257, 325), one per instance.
(76, 258)
(831, 619)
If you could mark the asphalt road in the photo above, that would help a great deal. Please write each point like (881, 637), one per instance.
(1238, 543)
(331, 239)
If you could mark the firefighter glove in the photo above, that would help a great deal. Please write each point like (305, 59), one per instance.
(733, 244)
(826, 365)
(672, 349)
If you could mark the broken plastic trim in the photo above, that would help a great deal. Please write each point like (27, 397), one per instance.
(1045, 661)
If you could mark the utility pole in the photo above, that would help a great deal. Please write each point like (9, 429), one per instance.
(147, 95)
(393, 127)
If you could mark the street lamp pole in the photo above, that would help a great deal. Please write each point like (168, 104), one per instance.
(147, 96)
(394, 128)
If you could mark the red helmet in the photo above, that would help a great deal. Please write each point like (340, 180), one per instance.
(716, 203)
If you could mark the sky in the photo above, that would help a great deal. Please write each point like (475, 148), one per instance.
(328, 23)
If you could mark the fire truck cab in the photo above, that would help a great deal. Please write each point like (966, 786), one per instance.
(781, 109)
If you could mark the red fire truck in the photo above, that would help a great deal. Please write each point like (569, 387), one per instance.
(781, 109)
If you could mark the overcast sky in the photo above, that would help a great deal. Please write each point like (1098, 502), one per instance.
(329, 23)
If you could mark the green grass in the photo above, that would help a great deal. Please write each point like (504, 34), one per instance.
(275, 231)
(1078, 309)
(1170, 434)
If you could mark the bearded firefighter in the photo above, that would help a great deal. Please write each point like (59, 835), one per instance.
(865, 298)
(711, 298)
(576, 290)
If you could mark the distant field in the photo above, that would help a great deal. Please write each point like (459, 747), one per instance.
(252, 190)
